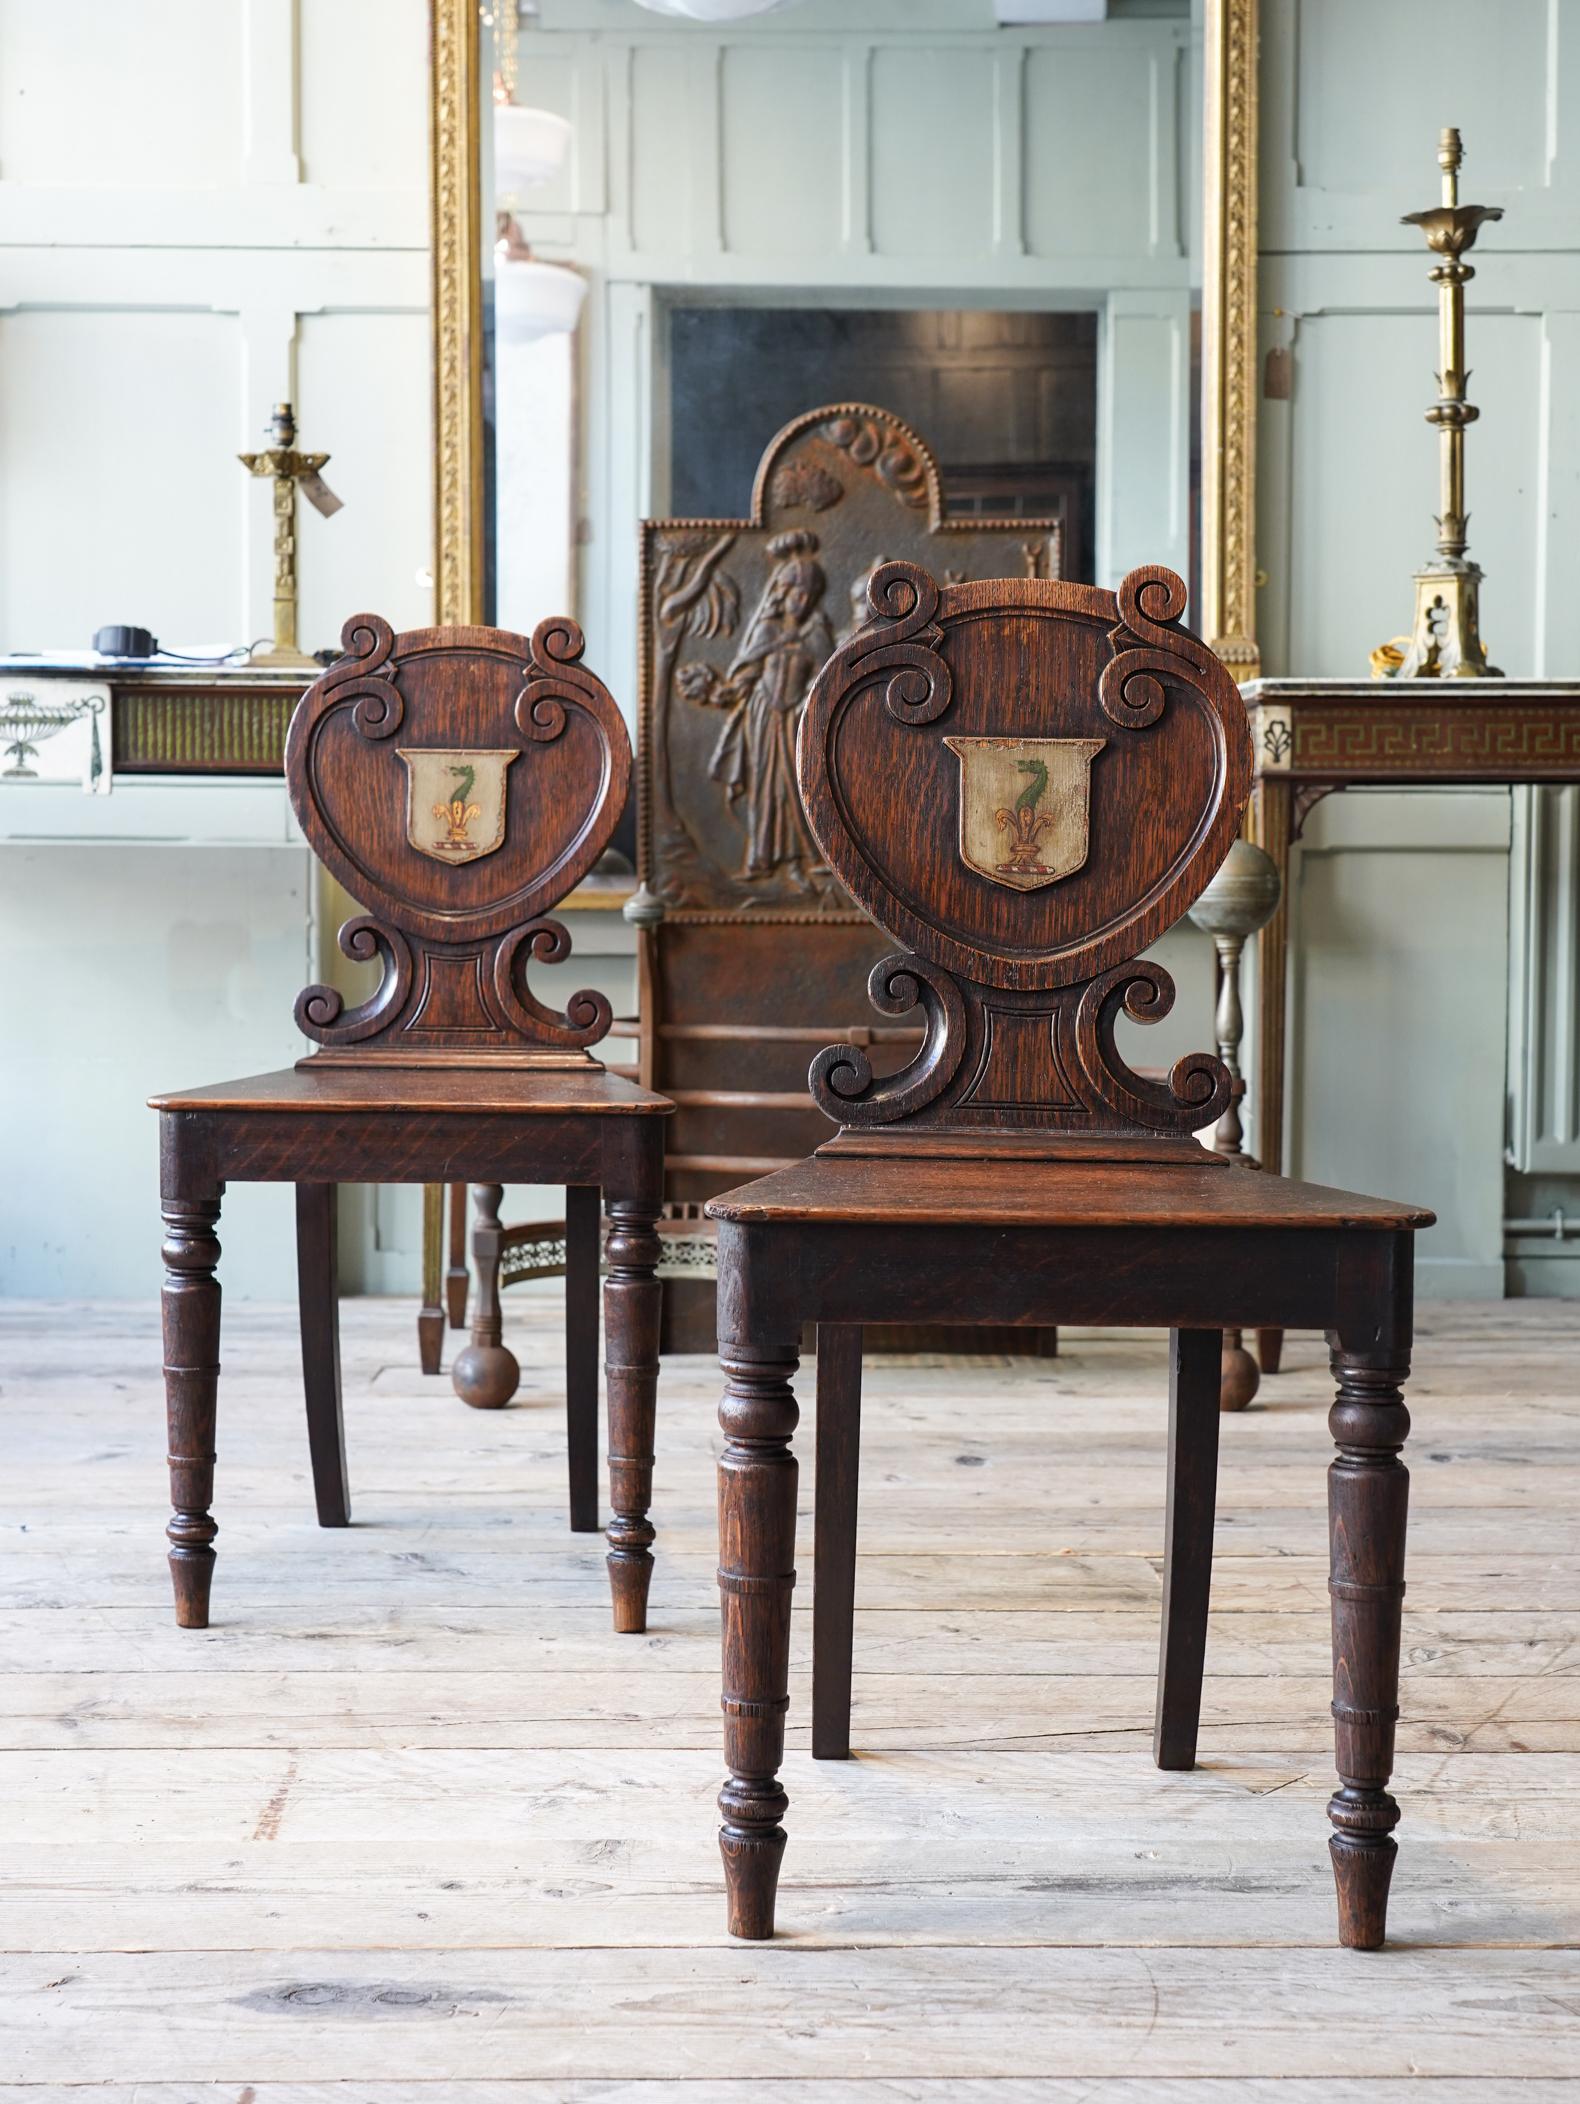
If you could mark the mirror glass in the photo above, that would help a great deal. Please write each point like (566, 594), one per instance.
(712, 216)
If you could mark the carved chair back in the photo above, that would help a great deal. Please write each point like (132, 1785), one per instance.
(1025, 783)
(458, 782)
(752, 952)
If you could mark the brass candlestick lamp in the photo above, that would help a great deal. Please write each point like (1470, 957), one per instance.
(287, 467)
(1445, 642)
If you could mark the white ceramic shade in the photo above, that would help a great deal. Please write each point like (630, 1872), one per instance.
(529, 146)
(533, 299)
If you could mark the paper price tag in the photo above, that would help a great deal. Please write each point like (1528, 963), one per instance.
(318, 493)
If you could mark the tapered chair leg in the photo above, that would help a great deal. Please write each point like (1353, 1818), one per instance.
(834, 1536)
(757, 1496)
(457, 1278)
(430, 1316)
(318, 1304)
(1269, 1349)
(1368, 1502)
(581, 1353)
(632, 1303)
(1195, 1358)
(189, 1312)
(486, 1374)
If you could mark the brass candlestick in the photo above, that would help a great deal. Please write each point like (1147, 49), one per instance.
(1445, 642)
(288, 467)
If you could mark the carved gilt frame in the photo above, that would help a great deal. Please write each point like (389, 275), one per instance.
(1227, 614)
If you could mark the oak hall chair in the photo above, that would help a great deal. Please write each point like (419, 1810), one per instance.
(459, 782)
(1025, 784)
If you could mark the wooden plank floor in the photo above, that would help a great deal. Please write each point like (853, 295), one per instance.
(409, 1823)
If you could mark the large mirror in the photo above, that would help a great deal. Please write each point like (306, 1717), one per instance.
(664, 228)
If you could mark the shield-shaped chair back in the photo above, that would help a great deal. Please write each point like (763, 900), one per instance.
(1025, 783)
(458, 782)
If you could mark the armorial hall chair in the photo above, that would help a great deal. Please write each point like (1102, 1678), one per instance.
(458, 782)
(1025, 783)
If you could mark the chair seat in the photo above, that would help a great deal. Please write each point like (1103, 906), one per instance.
(499, 1088)
(1017, 1192)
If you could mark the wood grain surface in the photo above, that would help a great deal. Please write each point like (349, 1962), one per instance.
(408, 1823)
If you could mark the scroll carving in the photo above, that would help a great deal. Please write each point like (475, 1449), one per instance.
(1130, 690)
(880, 446)
(532, 735)
(1198, 1087)
(587, 1016)
(321, 1011)
(1027, 944)
(554, 677)
(366, 673)
(841, 1078)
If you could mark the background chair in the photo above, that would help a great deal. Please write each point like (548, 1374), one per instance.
(459, 782)
(1026, 783)
(751, 954)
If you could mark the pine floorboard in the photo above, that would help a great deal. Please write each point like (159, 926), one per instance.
(409, 1823)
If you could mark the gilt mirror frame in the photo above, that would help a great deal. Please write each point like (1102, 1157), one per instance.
(1227, 613)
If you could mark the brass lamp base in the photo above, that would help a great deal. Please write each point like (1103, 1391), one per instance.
(273, 659)
(1445, 642)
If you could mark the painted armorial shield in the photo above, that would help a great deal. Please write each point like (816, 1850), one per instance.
(1025, 807)
(455, 800)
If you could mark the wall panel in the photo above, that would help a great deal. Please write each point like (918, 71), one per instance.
(96, 525)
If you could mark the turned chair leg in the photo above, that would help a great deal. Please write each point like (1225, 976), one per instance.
(582, 1205)
(834, 1536)
(1368, 1501)
(632, 1305)
(318, 1304)
(757, 1498)
(457, 1278)
(430, 1316)
(1195, 1357)
(189, 1311)
(485, 1374)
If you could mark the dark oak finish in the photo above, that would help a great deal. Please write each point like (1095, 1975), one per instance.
(458, 781)
(318, 1299)
(834, 1544)
(1195, 1361)
(751, 953)
(1027, 783)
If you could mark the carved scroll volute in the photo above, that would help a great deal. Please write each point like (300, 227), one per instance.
(503, 787)
(1024, 782)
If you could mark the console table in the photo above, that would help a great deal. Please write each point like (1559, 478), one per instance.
(1313, 736)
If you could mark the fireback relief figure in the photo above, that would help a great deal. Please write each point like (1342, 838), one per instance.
(765, 691)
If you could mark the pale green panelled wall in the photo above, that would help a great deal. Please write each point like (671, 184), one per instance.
(1403, 1017)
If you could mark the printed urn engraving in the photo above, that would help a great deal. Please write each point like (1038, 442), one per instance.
(1024, 807)
(455, 801)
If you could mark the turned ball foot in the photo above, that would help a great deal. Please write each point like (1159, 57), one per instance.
(485, 1376)
(1239, 1378)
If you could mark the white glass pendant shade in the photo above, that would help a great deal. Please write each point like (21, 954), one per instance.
(529, 146)
(533, 299)
(714, 10)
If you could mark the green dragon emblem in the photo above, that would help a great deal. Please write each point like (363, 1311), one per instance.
(1023, 824)
(458, 814)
